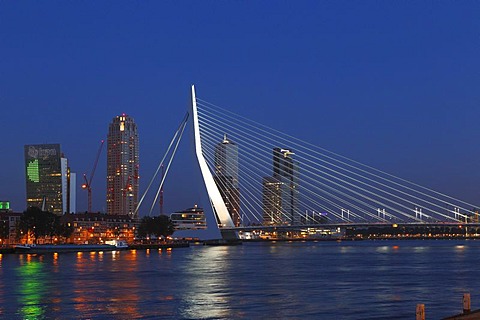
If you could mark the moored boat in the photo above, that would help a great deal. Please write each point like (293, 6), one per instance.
(119, 244)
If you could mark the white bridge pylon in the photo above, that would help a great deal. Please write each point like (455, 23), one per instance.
(218, 205)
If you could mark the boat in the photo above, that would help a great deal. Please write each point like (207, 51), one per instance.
(46, 248)
(119, 244)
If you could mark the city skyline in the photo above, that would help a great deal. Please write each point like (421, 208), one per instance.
(390, 85)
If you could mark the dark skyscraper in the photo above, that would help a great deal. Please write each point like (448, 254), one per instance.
(280, 192)
(122, 166)
(44, 180)
(226, 176)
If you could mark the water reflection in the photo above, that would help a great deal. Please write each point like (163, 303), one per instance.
(31, 289)
(363, 280)
(115, 293)
(206, 275)
(420, 249)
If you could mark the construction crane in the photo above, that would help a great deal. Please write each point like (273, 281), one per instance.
(88, 182)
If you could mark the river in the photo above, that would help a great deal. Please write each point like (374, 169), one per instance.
(277, 280)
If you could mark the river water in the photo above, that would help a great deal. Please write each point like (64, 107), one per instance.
(280, 280)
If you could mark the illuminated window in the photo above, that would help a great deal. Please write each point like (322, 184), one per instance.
(32, 171)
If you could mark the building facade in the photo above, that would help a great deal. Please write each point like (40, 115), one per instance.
(122, 166)
(8, 227)
(69, 191)
(44, 177)
(96, 228)
(189, 219)
(280, 191)
(226, 176)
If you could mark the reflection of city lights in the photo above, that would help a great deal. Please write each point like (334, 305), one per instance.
(198, 294)
(30, 290)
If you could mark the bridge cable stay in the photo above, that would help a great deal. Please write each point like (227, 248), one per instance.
(425, 215)
(184, 124)
(333, 186)
(333, 154)
(365, 190)
(339, 207)
(249, 183)
(307, 190)
(390, 194)
(180, 129)
(257, 162)
(302, 182)
(445, 202)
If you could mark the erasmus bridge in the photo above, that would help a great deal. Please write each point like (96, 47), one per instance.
(257, 177)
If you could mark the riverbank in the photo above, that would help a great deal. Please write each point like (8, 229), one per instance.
(95, 248)
(6, 250)
(361, 239)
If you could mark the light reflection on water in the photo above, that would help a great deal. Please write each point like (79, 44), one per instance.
(115, 294)
(31, 290)
(324, 280)
(207, 280)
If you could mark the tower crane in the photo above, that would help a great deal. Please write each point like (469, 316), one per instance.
(88, 182)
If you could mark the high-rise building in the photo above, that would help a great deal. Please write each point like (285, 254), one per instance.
(49, 182)
(226, 177)
(69, 182)
(280, 191)
(122, 166)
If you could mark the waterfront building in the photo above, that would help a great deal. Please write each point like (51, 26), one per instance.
(122, 166)
(189, 219)
(280, 191)
(96, 228)
(226, 176)
(48, 179)
(8, 227)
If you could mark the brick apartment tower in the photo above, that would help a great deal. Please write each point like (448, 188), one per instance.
(122, 166)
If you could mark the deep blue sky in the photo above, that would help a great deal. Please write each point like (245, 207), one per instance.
(392, 84)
